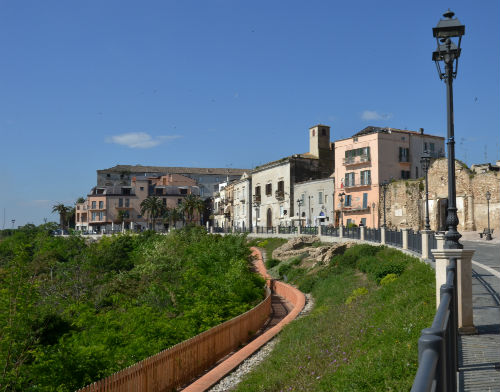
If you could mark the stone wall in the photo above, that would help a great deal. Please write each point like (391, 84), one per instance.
(405, 199)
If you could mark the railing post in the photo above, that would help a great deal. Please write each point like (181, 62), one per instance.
(382, 235)
(425, 243)
(362, 230)
(404, 233)
(341, 231)
(450, 339)
(429, 341)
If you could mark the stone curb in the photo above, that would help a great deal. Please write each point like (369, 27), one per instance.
(220, 371)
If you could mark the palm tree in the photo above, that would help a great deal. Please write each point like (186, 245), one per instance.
(153, 208)
(63, 212)
(120, 217)
(191, 204)
(200, 206)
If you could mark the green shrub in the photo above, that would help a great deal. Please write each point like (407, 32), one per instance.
(360, 291)
(284, 269)
(388, 279)
(270, 263)
(307, 283)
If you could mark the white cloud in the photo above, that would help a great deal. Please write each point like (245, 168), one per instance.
(139, 139)
(370, 115)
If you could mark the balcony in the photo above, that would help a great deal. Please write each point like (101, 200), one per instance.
(357, 160)
(256, 199)
(279, 195)
(356, 208)
(360, 184)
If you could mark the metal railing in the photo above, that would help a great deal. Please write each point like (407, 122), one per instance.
(330, 230)
(372, 235)
(432, 244)
(287, 229)
(437, 346)
(394, 237)
(352, 232)
(309, 230)
(415, 241)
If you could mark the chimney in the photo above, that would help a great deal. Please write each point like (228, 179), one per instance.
(421, 131)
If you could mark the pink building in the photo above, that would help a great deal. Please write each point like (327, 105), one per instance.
(370, 157)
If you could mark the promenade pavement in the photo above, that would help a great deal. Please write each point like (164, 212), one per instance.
(479, 355)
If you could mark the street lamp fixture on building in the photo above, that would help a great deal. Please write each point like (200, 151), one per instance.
(488, 197)
(425, 161)
(446, 58)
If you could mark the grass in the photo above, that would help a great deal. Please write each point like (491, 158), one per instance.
(269, 244)
(360, 336)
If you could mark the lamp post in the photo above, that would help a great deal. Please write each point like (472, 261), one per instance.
(300, 203)
(309, 197)
(341, 195)
(425, 162)
(256, 206)
(384, 188)
(488, 197)
(448, 53)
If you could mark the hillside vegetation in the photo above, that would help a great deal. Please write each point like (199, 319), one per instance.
(73, 312)
(370, 306)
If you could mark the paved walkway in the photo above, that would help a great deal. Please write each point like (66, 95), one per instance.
(479, 355)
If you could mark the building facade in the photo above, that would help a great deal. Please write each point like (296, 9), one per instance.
(369, 158)
(314, 202)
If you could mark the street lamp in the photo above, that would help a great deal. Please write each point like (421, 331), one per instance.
(384, 188)
(300, 203)
(488, 197)
(310, 221)
(448, 53)
(341, 195)
(256, 206)
(425, 161)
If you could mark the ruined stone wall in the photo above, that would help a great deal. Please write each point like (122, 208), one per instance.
(405, 201)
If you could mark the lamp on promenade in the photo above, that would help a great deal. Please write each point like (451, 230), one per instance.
(425, 161)
(300, 203)
(448, 52)
(488, 197)
(341, 195)
(384, 188)
(310, 220)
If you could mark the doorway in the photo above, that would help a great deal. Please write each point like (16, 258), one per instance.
(269, 220)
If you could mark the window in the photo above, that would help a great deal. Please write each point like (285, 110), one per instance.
(432, 146)
(366, 178)
(269, 189)
(257, 213)
(125, 191)
(404, 154)
(141, 188)
(78, 217)
(303, 198)
(94, 205)
(365, 200)
(101, 215)
(363, 221)
(347, 201)
(349, 179)
(216, 188)
(120, 202)
(425, 146)
(351, 154)
(257, 191)
(101, 204)
(183, 191)
(108, 175)
(164, 201)
(216, 179)
(94, 214)
(139, 216)
(320, 198)
(405, 174)
(281, 186)
(323, 131)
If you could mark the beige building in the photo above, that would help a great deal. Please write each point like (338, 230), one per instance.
(112, 208)
(370, 157)
(315, 202)
(273, 183)
(242, 206)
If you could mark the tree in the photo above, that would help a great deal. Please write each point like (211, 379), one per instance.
(63, 212)
(201, 207)
(191, 204)
(121, 216)
(153, 208)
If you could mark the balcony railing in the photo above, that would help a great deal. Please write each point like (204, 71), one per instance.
(366, 182)
(256, 199)
(279, 195)
(356, 160)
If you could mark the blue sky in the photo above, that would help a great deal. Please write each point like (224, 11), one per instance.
(87, 85)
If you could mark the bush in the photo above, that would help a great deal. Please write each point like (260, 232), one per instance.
(389, 278)
(270, 263)
(307, 283)
(360, 291)
(284, 269)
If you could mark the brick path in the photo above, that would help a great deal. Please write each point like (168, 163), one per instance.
(479, 355)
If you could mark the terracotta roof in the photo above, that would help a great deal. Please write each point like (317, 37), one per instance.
(172, 169)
